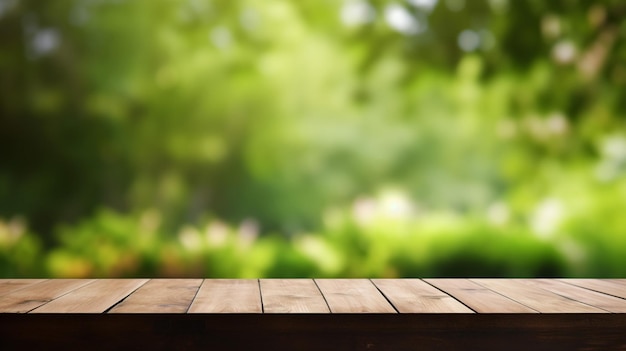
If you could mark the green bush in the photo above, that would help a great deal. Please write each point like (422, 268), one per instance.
(20, 250)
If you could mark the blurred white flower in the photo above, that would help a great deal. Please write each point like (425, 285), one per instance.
(564, 52)
(396, 204)
(614, 147)
(221, 37)
(557, 123)
(498, 213)
(547, 217)
(45, 41)
(216, 233)
(426, 5)
(248, 231)
(613, 162)
(363, 210)
(190, 238)
(468, 40)
(356, 13)
(401, 20)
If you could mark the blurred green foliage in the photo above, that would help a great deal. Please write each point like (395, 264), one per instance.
(351, 138)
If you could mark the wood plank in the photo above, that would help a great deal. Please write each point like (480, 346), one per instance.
(416, 296)
(227, 296)
(96, 297)
(621, 281)
(611, 287)
(10, 285)
(603, 301)
(536, 298)
(35, 295)
(160, 296)
(353, 296)
(292, 296)
(479, 298)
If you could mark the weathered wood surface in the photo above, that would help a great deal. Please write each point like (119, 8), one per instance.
(308, 314)
(292, 296)
(485, 296)
(354, 296)
(228, 296)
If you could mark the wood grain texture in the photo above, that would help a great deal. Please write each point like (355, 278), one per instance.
(35, 295)
(96, 297)
(508, 296)
(416, 296)
(603, 301)
(360, 325)
(621, 281)
(536, 298)
(353, 296)
(160, 296)
(292, 296)
(10, 285)
(227, 296)
(615, 287)
(479, 298)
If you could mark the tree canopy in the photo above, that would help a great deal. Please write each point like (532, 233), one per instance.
(357, 137)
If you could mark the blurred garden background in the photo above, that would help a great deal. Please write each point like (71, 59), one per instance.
(312, 138)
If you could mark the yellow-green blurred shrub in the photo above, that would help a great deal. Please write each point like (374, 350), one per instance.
(382, 245)
(20, 250)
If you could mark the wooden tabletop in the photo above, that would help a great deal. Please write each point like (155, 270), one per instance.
(313, 296)
(313, 314)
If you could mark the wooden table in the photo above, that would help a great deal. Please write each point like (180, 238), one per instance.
(320, 314)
